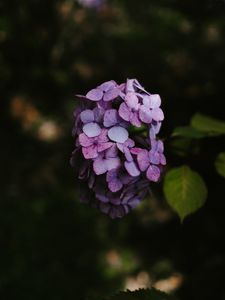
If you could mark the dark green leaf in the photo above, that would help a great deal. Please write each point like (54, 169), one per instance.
(208, 125)
(220, 164)
(185, 190)
(188, 132)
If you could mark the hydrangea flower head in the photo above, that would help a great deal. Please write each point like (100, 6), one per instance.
(114, 161)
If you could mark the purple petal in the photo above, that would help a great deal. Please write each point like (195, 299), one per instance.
(153, 173)
(92, 129)
(118, 134)
(98, 114)
(95, 95)
(90, 152)
(116, 212)
(115, 185)
(145, 114)
(112, 163)
(132, 100)
(103, 136)
(108, 85)
(99, 166)
(131, 168)
(136, 150)
(87, 116)
(124, 112)
(111, 175)
(130, 85)
(104, 207)
(155, 101)
(111, 94)
(103, 198)
(143, 160)
(110, 117)
(162, 159)
(85, 141)
(154, 157)
(127, 154)
(157, 114)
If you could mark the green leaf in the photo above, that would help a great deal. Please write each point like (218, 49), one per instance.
(185, 190)
(148, 294)
(208, 125)
(188, 132)
(220, 164)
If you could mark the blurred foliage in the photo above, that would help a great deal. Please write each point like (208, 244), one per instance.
(51, 246)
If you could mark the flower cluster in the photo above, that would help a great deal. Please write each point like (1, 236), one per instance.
(91, 3)
(116, 150)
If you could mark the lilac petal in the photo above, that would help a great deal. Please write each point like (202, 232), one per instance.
(118, 134)
(111, 175)
(111, 94)
(143, 160)
(127, 154)
(130, 85)
(145, 114)
(132, 100)
(162, 159)
(154, 157)
(154, 129)
(87, 116)
(129, 143)
(116, 212)
(110, 117)
(99, 166)
(92, 129)
(90, 152)
(104, 146)
(153, 173)
(108, 85)
(111, 152)
(134, 119)
(124, 112)
(85, 141)
(115, 200)
(112, 163)
(103, 198)
(155, 101)
(157, 114)
(132, 168)
(95, 95)
(115, 185)
(134, 202)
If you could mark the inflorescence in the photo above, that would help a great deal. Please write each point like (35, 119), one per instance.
(116, 151)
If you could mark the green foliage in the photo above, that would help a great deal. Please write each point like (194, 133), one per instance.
(185, 190)
(188, 132)
(220, 164)
(208, 125)
(148, 294)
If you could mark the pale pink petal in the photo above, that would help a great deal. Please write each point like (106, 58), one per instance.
(99, 166)
(95, 95)
(153, 173)
(145, 114)
(92, 129)
(87, 116)
(110, 117)
(131, 168)
(104, 146)
(90, 152)
(143, 160)
(118, 134)
(112, 163)
(124, 112)
(162, 159)
(134, 119)
(157, 114)
(85, 141)
(130, 85)
(111, 94)
(131, 100)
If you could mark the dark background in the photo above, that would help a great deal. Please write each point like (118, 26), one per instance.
(53, 247)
